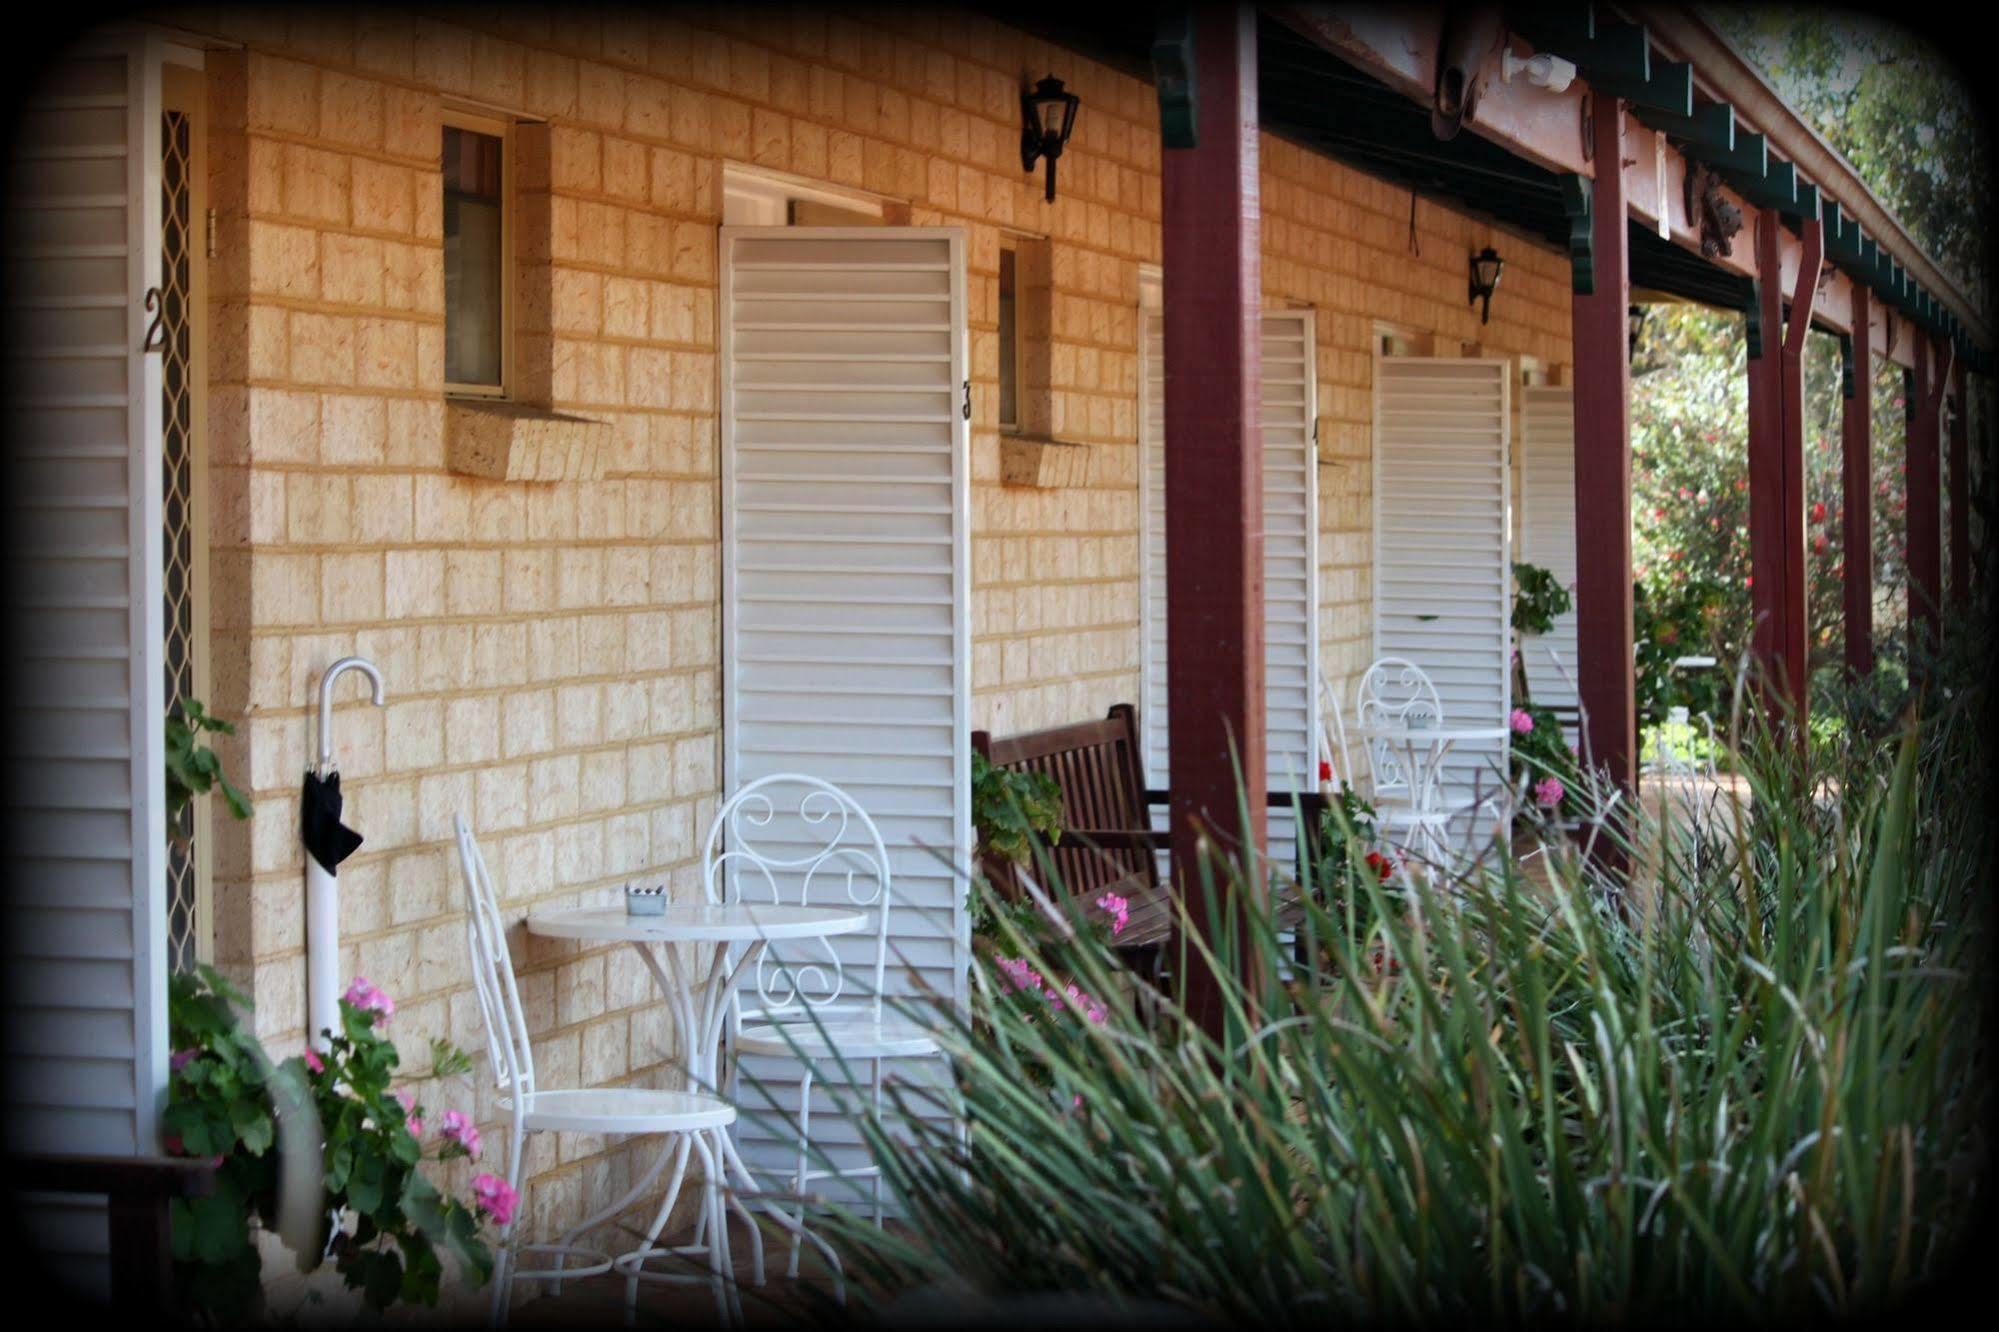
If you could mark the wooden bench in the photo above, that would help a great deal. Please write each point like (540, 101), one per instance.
(140, 1190)
(1108, 843)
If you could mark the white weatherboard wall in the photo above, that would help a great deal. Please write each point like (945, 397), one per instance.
(846, 573)
(1442, 577)
(1289, 404)
(1548, 532)
(85, 943)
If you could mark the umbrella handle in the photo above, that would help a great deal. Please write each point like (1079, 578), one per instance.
(333, 673)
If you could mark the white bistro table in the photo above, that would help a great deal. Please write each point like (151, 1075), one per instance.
(698, 997)
(1421, 750)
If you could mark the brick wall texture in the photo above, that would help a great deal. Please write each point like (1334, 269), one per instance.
(551, 649)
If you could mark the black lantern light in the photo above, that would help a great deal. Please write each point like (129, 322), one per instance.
(1486, 266)
(1047, 114)
(1634, 317)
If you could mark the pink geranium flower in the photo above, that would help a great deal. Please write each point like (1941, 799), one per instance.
(1521, 722)
(370, 1000)
(458, 1128)
(1088, 1005)
(410, 1118)
(1119, 908)
(495, 1197)
(313, 1061)
(1549, 791)
(1022, 975)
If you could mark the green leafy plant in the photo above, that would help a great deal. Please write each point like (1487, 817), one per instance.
(1010, 808)
(1347, 846)
(192, 767)
(1537, 599)
(386, 1223)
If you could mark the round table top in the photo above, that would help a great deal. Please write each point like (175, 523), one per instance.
(1414, 734)
(699, 923)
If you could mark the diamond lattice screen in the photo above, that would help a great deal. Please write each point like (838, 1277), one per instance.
(184, 887)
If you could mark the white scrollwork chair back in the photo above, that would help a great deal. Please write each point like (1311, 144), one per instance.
(1392, 691)
(493, 976)
(797, 840)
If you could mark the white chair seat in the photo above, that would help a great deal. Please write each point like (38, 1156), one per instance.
(856, 1037)
(624, 1110)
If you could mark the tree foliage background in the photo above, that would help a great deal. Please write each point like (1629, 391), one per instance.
(1900, 112)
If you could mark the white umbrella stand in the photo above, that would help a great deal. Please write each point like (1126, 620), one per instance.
(327, 841)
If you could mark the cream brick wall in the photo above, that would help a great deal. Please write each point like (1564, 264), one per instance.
(550, 649)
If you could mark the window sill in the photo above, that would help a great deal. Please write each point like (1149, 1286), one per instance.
(1042, 463)
(506, 441)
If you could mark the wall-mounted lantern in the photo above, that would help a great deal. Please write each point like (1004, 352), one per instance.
(1047, 115)
(1486, 267)
(1634, 318)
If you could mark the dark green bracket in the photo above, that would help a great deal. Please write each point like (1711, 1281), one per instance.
(1807, 205)
(1667, 89)
(1846, 365)
(1752, 320)
(1576, 197)
(1776, 188)
(1843, 241)
(1554, 27)
(1750, 156)
(1711, 127)
(1173, 77)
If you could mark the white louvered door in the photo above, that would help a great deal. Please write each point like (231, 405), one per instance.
(85, 947)
(1442, 577)
(1548, 531)
(1290, 557)
(846, 526)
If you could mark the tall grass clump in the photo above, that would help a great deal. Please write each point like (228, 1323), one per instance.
(1748, 1083)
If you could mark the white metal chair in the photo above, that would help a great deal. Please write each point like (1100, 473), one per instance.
(683, 1117)
(1409, 810)
(797, 839)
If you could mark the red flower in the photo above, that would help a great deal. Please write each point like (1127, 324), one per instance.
(1818, 542)
(1380, 864)
(1818, 512)
(1325, 770)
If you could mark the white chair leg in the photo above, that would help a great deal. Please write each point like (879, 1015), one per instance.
(735, 1200)
(876, 1181)
(718, 1243)
(501, 1306)
(658, 1224)
(798, 1179)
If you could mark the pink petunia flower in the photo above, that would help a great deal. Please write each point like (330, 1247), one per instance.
(1521, 722)
(1119, 908)
(1549, 791)
(495, 1197)
(369, 999)
(181, 1059)
(458, 1127)
(313, 1061)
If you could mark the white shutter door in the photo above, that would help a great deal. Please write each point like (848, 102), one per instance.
(1443, 582)
(85, 959)
(1290, 557)
(1548, 531)
(846, 520)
